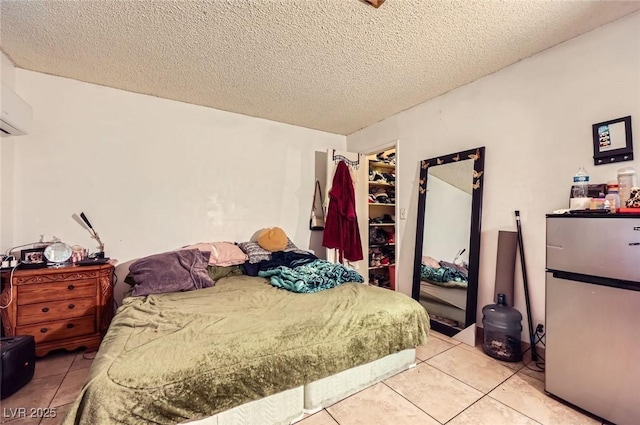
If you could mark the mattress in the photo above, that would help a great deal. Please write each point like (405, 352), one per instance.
(445, 313)
(174, 357)
(454, 296)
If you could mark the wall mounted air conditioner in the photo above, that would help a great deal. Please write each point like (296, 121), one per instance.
(16, 116)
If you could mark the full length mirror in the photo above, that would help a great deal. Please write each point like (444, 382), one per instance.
(445, 275)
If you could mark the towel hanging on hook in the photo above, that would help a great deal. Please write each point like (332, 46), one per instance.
(341, 222)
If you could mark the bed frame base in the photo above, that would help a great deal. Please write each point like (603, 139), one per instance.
(283, 408)
(327, 391)
(293, 405)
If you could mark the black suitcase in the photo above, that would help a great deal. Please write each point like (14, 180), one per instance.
(18, 363)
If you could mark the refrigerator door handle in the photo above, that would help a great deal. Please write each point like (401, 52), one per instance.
(596, 280)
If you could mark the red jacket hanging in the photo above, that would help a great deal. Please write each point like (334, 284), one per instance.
(341, 224)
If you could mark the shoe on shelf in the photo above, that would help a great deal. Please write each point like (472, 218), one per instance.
(382, 198)
(392, 237)
(377, 236)
(375, 176)
(392, 158)
(389, 178)
(382, 158)
(387, 218)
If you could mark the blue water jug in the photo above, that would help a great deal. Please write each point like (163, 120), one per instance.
(502, 329)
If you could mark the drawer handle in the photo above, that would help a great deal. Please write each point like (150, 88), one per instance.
(44, 330)
(71, 306)
(69, 326)
(44, 310)
(70, 287)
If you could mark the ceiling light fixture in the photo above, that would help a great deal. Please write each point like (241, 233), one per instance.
(375, 3)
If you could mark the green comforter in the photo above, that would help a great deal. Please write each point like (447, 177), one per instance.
(172, 357)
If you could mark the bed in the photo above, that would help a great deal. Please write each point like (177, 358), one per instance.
(246, 352)
(443, 291)
(439, 309)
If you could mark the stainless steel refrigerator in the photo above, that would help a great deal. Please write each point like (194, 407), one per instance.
(593, 314)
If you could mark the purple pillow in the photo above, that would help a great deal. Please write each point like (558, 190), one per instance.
(174, 271)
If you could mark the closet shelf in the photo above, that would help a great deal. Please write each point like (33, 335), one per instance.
(381, 224)
(383, 205)
(379, 184)
(382, 165)
(386, 266)
(377, 245)
(381, 285)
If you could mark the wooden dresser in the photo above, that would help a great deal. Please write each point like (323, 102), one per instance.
(66, 307)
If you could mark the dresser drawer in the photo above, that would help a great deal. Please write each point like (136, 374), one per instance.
(41, 292)
(61, 329)
(56, 310)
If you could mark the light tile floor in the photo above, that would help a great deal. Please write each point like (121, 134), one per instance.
(452, 384)
(58, 379)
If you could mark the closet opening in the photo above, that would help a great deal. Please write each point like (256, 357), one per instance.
(382, 218)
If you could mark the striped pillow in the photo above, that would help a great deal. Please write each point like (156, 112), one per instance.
(256, 253)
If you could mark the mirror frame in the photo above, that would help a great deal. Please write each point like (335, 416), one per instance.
(477, 155)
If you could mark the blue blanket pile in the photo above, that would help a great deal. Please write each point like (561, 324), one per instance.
(443, 276)
(314, 276)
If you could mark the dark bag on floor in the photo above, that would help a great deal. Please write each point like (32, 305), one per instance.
(18, 363)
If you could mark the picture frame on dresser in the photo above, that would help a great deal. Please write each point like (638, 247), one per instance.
(32, 258)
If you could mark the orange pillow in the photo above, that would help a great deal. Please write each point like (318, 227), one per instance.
(273, 239)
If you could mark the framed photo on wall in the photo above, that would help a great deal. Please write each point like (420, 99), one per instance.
(612, 141)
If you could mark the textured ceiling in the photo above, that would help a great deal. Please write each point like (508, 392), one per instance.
(458, 174)
(333, 65)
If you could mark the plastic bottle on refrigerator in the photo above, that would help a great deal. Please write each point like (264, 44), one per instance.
(627, 179)
(612, 196)
(580, 188)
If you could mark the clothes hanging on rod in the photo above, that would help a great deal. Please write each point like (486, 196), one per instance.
(341, 223)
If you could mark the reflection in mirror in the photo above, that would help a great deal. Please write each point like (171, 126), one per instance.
(445, 247)
(448, 238)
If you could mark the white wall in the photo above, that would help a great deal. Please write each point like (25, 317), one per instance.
(535, 119)
(7, 71)
(7, 76)
(153, 174)
(447, 225)
(6, 193)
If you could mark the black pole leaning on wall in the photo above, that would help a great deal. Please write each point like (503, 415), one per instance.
(532, 336)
